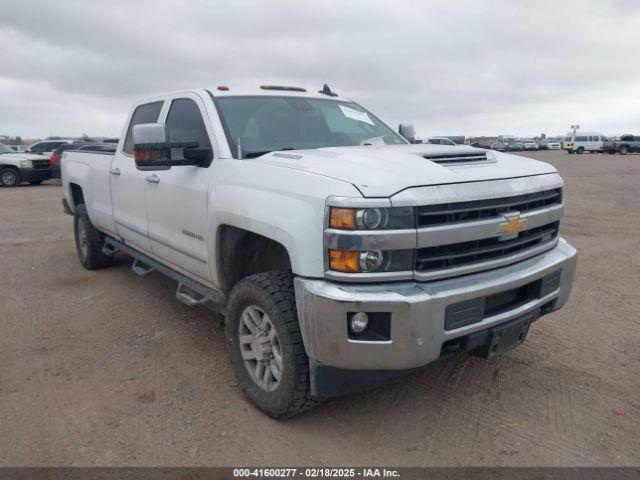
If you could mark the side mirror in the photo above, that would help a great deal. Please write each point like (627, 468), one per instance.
(408, 131)
(153, 151)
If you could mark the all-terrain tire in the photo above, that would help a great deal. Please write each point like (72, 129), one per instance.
(273, 294)
(89, 241)
(10, 177)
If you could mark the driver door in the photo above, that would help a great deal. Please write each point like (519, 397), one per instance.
(177, 199)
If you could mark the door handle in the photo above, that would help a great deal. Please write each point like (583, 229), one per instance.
(152, 179)
(115, 171)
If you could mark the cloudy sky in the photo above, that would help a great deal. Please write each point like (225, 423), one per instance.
(449, 67)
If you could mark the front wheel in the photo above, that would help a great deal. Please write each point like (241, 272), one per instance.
(265, 344)
(89, 241)
(9, 177)
(580, 150)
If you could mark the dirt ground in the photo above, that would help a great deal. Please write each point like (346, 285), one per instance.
(106, 368)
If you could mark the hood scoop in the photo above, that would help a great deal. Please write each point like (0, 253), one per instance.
(461, 158)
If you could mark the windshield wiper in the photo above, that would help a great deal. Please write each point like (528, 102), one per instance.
(264, 152)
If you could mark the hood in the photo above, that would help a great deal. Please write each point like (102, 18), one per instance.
(16, 157)
(382, 171)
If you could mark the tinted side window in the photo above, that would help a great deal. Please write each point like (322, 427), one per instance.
(580, 139)
(147, 113)
(185, 123)
(39, 147)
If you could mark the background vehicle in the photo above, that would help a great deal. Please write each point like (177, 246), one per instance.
(508, 145)
(16, 168)
(488, 144)
(529, 144)
(56, 155)
(46, 147)
(439, 141)
(627, 144)
(314, 227)
(584, 142)
(553, 145)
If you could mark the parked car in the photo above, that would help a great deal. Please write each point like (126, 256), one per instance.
(528, 144)
(553, 145)
(337, 261)
(17, 148)
(626, 144)
(488, 144)
(584, 142)
(46, 147)
(16, 168)
(508, 145)
(56, 155)
(439, 141)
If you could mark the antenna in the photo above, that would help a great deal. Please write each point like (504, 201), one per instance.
(327, 91)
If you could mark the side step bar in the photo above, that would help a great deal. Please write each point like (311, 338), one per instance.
(189, 292)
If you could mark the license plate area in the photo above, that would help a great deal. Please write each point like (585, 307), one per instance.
(507, 336)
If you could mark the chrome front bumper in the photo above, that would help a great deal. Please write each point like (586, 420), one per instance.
(417, 311)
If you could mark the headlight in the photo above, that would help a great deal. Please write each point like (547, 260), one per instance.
(371, 218)
(26, 164)
(370, 261)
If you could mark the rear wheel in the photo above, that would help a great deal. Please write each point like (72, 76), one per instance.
(89, 241)
(9, 177)
(580, 150)
(265, 344)
(624, 150)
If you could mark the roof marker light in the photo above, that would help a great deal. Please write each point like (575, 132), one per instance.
(278, 87)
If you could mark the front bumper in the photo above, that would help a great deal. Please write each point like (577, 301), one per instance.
(417, 312)
(35, 174)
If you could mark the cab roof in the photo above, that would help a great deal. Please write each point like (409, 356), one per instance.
(273, 91)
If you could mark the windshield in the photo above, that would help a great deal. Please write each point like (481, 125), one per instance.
(263, 124)
(5, 149)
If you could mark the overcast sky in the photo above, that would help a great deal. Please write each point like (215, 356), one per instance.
(468, 67)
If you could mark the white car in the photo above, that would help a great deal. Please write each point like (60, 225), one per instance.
(46, 147)
(530, 145)
(553, 146)
(338, 251)
(16, 168)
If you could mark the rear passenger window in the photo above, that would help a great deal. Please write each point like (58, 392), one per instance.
(185, 123)
(581, 139)
(147, 113)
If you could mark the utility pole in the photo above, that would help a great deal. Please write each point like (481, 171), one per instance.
(575, 128)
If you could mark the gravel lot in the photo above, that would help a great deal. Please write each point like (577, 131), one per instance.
(105, 368)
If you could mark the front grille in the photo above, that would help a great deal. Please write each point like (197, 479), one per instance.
(457, 158)
(465, 253)
(445, 213)
(41, 164)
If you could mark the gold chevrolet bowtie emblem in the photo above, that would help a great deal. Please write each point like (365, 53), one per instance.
(512, 226)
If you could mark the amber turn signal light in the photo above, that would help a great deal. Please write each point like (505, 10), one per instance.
(343, 261)
(343, 218)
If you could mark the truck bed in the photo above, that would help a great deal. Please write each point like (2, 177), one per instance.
(90, 168)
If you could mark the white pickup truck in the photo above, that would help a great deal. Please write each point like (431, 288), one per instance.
(340, 253)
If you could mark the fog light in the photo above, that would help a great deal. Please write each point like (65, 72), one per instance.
(359, 322)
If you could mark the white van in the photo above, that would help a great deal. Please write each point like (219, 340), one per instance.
(584, 142)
